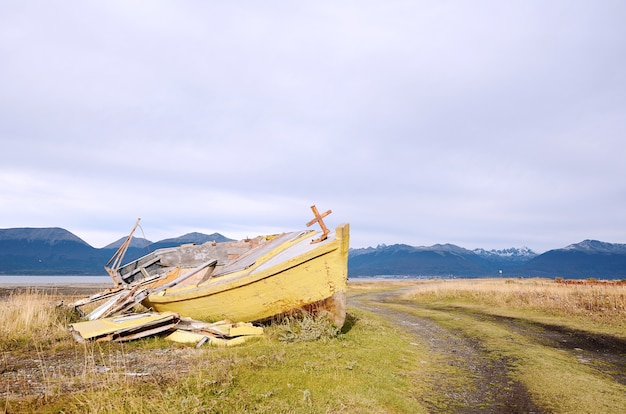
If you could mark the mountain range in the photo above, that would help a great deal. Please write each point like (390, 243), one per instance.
(56, 251)
(587, 259)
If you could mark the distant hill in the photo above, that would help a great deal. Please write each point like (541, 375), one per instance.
(136, 242)
(55, 251)
(589, 258)
(47, 251)
(51, 235)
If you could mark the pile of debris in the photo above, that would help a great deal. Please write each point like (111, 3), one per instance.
(123, 297)
(132, 326)
(112, 319)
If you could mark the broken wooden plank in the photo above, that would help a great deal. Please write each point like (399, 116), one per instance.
(201, 338)
(114, 296)
(96, 297)
(244, 328)
(187, 337)
(193, 324)
(224, 342)
(185, 276)
(118, 303)
(100, 310)
(124, 328)
(236, 329)
(224, 328)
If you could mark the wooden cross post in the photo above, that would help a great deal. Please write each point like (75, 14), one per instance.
(318, 219)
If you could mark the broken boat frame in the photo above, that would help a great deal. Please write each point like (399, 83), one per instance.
(249, 280)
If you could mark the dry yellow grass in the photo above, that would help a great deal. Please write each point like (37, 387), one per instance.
(599, 302)
(32, 313)
(368, 285)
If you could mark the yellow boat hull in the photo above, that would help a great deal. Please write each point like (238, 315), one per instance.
(295, 274)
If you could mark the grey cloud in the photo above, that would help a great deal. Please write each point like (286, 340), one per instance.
(486, 125)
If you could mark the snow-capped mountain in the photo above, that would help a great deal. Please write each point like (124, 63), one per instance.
(595, 246)
(589, 258)
(512, 254)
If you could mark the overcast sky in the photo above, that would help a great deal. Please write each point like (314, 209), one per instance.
(478, 123)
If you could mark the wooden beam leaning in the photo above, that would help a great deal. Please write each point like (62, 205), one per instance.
(319, 219)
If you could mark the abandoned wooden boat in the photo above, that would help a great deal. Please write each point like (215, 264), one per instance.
(284, 274)
(249, 280)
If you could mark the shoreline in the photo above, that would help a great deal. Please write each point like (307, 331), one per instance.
(53, 288)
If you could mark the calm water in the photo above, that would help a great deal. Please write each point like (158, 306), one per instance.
(38, 280)
(394, 277)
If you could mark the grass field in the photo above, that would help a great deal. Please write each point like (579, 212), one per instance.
(372, 365)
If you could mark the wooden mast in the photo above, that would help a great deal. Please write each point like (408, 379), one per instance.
(115, 262)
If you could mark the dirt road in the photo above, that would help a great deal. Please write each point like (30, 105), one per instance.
(491, 388)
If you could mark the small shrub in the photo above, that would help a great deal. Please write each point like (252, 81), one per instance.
(305, 327)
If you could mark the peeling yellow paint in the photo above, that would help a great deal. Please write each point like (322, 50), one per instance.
(292, 275)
